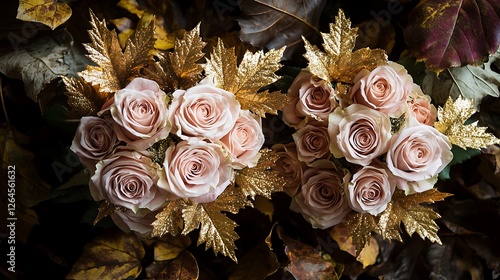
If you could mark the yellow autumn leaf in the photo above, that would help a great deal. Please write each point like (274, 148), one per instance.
(112, 255)
(49, 12)
(339, 63)
(367, 256)
(451, 123)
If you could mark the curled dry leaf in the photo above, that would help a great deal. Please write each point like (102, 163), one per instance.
(272, 24)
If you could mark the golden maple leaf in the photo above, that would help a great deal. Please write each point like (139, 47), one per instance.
(261, 179)
(406, 209)
(339, 63)
(179, 69)
(105, 209)
(361, 226)
(49, 12)
(451, 123)
(216, 229)
(255, 71)
(116, 67)
(83, 98)
(169, 220)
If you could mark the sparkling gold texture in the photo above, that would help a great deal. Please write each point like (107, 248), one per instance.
(451, 123)
(339, 63)
(83, 98)
(169, 220)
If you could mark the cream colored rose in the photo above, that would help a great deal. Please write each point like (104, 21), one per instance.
(385, 89)
(311, 98)
(420, 106)
(203, 111)
(128, 179)
(140, 114)
(139, 223)
(94, 140)
(244, 140)
(289, 165)
(312, 142)
(418, 152)
(196, 170)
(359, 133)
(321, 200)
(371, 188)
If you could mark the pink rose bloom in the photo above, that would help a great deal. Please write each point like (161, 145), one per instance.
(418, 152)
(311, 97)
(203, 111)
(371, 189)
(321, 200)
(420, 107)
(359, 133)
(289, 165)
(94, 140)
(312, 142)
(196, 170)
(385, 88)
(244, 140)
(128, 179)
(140, 114)
(139, 223)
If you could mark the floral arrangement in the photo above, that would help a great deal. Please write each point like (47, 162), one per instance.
(290, 141)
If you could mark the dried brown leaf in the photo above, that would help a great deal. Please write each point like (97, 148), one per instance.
(184, 267)
(52, 13)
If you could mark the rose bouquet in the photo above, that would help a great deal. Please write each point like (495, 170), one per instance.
(368, 144)
(168, 144)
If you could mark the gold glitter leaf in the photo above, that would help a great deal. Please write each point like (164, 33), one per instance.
(114, 66)
(361, 226)
(179, 69)
(255, 71)
(106, 209)
(262, 179)
(451, 123)
(169, 220)
(216, 230)
(406, 209)
(340, 63)
(83, 98)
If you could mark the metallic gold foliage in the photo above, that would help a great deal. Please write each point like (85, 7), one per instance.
(367, 256)
(361, 226)
(451, 123)
(169, 220)
(106, 209)
(255, 71)
(339, 63)
(115, 67)
(406, 209)
(262, 179)
(83, 98)
(52, 13)
(179, 69)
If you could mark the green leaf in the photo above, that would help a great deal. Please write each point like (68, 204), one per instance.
(459, 155)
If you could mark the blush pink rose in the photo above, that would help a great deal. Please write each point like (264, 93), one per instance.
(321, 200)
(311, 98)
(289, 166)
(139, 223)
(385, 88)
(244, 140)
(140, 114)
(418, 152)
(94, 140)
(420, 107)
(312, 142)
(359, 133)
(128, 179)
(371, 189)
(196, 170)
(203, 111)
